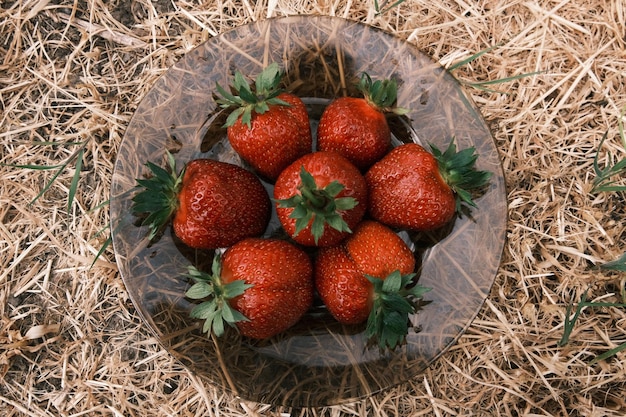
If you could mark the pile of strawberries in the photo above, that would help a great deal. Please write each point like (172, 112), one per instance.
(340, 202)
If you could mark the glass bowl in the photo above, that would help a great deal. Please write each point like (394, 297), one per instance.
(317, 362)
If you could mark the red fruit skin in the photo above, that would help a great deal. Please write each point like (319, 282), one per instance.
(407, 191)
(276, 138)
(282, 279)
(325, 167)
(353, 128)
(378, 251)
(372, 249)
(219, 204)
(346, 293)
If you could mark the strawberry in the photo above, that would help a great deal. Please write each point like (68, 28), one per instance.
(414, 189)
(261, 286)
(370, 277)
(212, 204)
(356, 127)
(320, 198)
(269, 128)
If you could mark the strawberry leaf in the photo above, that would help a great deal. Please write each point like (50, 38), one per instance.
(234, 115)
(381, 94)
(241, 85)
(199, 290)
(307, 179)
(317, 227)
(345, 203)
(216, 310)
(261, 107)
(299, 211)
(392, 283)
(277, 101)
(334, 188)
(337, 223)
(247, 95)
(217, 321)
(302, 222)
(234, 289)
(268, 79)
(157, 198)
(247, 102)
(203, 310)
(246, 116)
(394, 327)
(459, 172)
(394, 299)
(231, 315)
(227, 99)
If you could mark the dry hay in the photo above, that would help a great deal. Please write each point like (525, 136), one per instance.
(70, 341)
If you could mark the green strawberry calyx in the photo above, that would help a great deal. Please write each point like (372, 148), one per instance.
(395, 298)
(215, 310)
(318, 206)
(458, 170)
(247, 102)
(157, 199)
(381, 94)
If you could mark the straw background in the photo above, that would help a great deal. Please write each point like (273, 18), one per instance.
(73, 71)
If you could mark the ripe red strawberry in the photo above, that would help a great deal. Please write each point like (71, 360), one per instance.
(370, 277)
(212, 204)
(269, 128)
(356, 127)
(414, 189)
(320, 198)
(263, 286)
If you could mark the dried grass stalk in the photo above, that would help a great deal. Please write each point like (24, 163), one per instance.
(70, 340)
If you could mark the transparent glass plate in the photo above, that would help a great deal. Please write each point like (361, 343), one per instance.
(318, 362)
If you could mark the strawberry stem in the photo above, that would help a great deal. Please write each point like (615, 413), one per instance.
(394, 299)
(215, 311)
(319, 205)
(314, 197)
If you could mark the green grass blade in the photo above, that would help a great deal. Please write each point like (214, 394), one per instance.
(33, 167)
(60, 168)
(101, 231)
(75, 178)
(617, 265)
(49, 184)
(620, 126)
(505, 79)
(608, 354)
(378, 7)
(596, 304)
(474, 57)
(603, 182)
(618, 168)
(482, 85)
(103, 248)
(609, 188)
(596, 166)
(569, 323)
(106, 243)
(99, 206)
(567, 327)
(485, 89)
